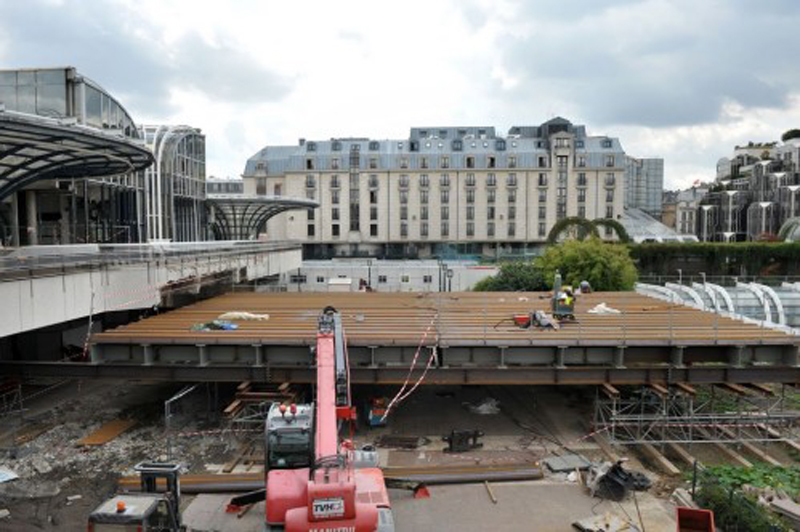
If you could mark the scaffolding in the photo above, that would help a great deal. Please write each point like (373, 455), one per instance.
(681, 414)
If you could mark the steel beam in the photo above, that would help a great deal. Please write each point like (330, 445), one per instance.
(396, 375)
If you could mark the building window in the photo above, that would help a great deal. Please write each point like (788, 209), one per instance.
(336, 145)
(403, 162)
(490, 211)
(606, 143)
(470, 162)
(512, 196)
(582, 179)
(310, 229)
(470, 180)
(471, 196)
(335, 230)
(320, 279)
(335, 163)
(373, 230)
(609, 211)
(404, 196)
(382, 279)
(423, 162)
(511, 180)
(491, 195)
(423, 212)
(309, 163)
(542, 212)
(562, 143)
(424, 181)
(423, 229)
(581, 195)
(608, 231)
(404, 229)
(470, 213)
(542, 229)
(542, 180)
(512, 161)
(373, 163)
(542, 161)
(423, 197)
(298, 279)
(491, 180)
(561, 193)
(579, 144)
(404, 278)
(334, 181)
(582, 211)
(491, 162)
(470, 228)
(373, 197)
(609, 195)
(373, 213)
(310, 181)
(610, 180)
(512, 212)
(444, 180)
(562, 161)
(374, 145)
(311, 193)
(609, 160)
(542, 195)
(445, 196)
(490, 229)
(444, 161)
(404, 212)
(277, 189)
(445, 228)
(335, 197)
(445, 212)
(403, 180)
(581, 161)
(428, 279)
(373, 181)
(512, 229)
(335, 213)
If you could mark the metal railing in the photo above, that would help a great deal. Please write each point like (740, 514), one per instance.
(47, 260)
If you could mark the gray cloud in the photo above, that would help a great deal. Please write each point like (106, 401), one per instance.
(126, 55)
(653, 63)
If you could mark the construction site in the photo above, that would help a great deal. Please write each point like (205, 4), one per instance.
(405, 411)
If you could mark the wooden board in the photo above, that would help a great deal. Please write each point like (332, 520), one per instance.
(107, 432)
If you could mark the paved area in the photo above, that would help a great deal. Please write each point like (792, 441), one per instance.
(540, 506)
(206, 513)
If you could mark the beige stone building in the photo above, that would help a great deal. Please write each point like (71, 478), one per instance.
(444, 191)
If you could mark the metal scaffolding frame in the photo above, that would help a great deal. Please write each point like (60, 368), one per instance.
(657, 414)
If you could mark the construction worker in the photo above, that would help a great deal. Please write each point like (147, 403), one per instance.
(585, 287)
(569, 297)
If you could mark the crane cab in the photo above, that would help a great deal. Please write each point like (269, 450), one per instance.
(290, 436)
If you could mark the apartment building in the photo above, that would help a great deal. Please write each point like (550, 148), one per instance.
(756, 192)
(442, 190)
(644, 184)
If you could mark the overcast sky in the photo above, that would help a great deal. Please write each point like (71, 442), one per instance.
(683, 80)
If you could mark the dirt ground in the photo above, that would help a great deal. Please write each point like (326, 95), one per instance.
(521, 425)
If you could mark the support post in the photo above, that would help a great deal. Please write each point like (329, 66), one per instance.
(561, 352)
(503, 356)
(259, 349)
(149, 355)
(792, 356)
(202, 350)
(372, 349)
(676, 359)
(32, 217)
(619, 357)
(736, 356)
(95, 356)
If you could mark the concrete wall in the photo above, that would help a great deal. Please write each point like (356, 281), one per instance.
(43, 301)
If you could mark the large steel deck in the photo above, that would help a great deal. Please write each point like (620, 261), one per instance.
(469, 335)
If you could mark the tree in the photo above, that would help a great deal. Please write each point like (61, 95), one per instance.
(514, 276)
(790, 134)
(607, 267)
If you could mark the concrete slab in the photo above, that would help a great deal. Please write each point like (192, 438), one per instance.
(539, 506)
(206, 513)
(566, 463)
